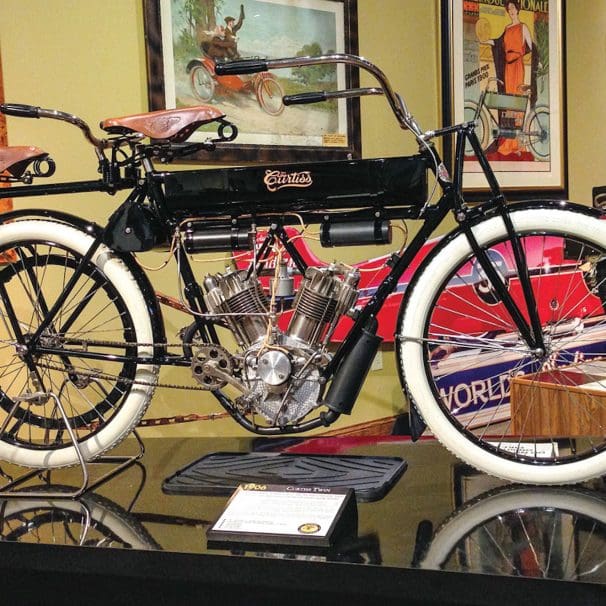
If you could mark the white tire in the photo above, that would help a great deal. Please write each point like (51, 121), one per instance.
(423, 378)
(507, 509)
(106, 305)
(91, 519)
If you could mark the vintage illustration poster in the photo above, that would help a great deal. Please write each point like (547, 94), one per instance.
(507, 74)
(5, 203)
(196, 34)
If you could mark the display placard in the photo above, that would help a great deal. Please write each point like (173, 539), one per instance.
(276, 514)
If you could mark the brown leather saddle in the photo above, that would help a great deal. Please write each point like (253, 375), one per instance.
(174, 125)
(15, 159)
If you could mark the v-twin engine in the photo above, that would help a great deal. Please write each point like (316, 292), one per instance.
(278, 366)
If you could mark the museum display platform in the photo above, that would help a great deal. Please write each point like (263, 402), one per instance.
(439, 533)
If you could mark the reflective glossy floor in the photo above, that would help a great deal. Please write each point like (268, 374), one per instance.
(439, 518)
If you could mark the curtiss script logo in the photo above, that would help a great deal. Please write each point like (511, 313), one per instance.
(277, 179)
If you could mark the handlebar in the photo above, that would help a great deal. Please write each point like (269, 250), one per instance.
(303, 98)
(241, 66)
(317, 97)
(397, 104)
(30, 111)
(20, 110)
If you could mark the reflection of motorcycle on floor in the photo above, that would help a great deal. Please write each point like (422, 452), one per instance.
(552, 533)
(205, 85)
(92, 521)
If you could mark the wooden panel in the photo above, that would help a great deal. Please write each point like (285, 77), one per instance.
(566, 402)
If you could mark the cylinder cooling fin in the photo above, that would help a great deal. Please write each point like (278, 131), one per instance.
(322, 298)
(243, 299)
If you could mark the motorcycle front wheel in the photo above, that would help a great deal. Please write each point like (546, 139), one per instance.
(524, 414)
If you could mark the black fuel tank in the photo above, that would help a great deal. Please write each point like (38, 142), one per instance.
(337, 185)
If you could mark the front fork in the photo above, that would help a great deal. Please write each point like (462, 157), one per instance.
(530, 329)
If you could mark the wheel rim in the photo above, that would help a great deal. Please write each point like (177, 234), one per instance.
(478, 403)
(93, 313)
(202, 84)
(549, 533)
(90, 521)
(269, 95)
(538, 134)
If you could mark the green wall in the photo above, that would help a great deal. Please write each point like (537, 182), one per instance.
(586, 90)
(88, 58)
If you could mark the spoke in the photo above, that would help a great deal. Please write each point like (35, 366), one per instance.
(473, 347)
(93, 315)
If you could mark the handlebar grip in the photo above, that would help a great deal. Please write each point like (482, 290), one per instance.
(302, 98)
(20, 110)
(244, 66)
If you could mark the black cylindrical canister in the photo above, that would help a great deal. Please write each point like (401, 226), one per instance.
(355, 233)
(350, 375)
(199, 239)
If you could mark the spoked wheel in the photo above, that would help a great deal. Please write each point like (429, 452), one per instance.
(90, 521)
(550, 533)
(461, 352)
(537, 131)
(269, 95)
(85, 357)
(202, 83)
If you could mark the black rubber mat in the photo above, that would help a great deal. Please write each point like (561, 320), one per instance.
(220, 473)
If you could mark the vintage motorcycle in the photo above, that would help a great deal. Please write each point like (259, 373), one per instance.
(504, 115)
(206, 84)
(506, 307)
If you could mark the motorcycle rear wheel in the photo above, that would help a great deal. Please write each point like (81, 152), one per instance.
(89, 362)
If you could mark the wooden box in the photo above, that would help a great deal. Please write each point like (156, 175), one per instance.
(565, 402)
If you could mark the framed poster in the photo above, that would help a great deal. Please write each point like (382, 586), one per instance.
(186, 38)
(6, 204)
(503, 66)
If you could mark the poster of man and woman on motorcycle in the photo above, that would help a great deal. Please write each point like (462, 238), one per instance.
(506, 61)
(196, 34)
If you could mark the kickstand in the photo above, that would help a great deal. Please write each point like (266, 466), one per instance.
(120, 462)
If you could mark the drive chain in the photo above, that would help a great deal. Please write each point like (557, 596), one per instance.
(97, 374)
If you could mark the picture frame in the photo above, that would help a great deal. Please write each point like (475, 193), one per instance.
(524, 132)
(6, 204)
(184, 38)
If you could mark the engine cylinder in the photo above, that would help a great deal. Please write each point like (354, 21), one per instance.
(320, 301)
(234, 293)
